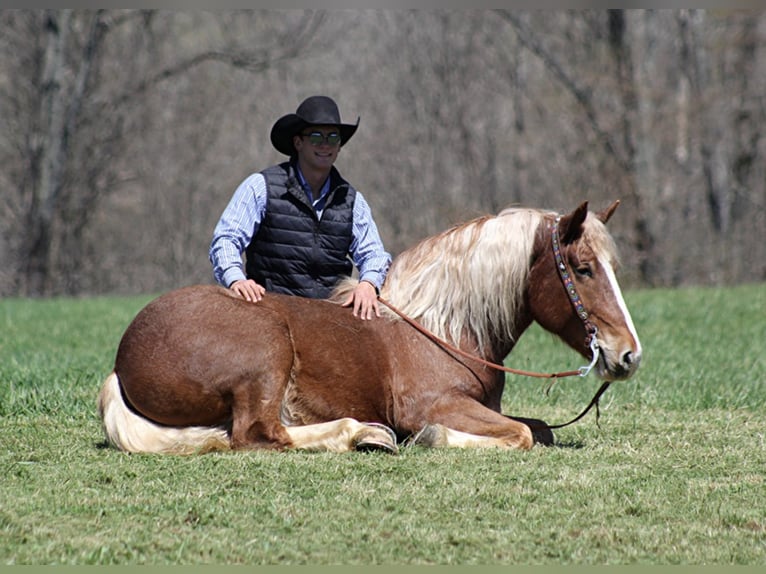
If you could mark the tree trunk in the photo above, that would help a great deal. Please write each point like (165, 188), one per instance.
(48, 154)
(639, 150)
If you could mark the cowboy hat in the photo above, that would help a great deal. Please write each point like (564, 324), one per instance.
(313, 111)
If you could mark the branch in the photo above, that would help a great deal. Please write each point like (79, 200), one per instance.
(249, 61)
(581, 95)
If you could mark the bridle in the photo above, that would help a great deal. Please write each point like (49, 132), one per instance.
(574, 297)
(590, 340)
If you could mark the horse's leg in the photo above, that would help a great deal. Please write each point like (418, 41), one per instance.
(343, 435)
(469, 424)
(257, 423)
(438, 435)
(259, 387)
(255, 412)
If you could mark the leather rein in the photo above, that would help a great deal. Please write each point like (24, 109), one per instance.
(574, 298)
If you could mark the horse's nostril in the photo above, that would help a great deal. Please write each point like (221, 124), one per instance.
(627, 358)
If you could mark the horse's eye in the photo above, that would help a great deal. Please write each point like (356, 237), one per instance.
(584, 271)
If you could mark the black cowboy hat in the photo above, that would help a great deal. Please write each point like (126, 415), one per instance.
(313, 111)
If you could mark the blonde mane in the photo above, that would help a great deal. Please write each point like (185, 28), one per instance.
(468, 279)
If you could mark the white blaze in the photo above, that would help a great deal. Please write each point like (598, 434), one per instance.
(621, 303)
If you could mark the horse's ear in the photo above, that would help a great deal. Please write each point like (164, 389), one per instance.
(570, 226)
(605, 215)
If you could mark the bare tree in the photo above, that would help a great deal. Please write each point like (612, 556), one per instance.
(78, 115)
(113, 170)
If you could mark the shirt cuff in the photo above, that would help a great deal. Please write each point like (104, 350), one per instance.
(231, 275)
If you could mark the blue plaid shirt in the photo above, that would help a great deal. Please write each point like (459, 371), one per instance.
(240, 221)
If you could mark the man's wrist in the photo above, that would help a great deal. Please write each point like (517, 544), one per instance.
(377, 290)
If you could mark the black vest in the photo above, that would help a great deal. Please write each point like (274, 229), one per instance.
(293, 251)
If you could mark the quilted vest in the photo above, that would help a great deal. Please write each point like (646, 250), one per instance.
(293, 251)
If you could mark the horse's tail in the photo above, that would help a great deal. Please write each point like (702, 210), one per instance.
(128, 431)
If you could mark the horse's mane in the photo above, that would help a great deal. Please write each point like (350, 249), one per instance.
(470, 279)
(467, 279)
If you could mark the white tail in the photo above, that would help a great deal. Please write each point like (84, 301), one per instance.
(130, 432)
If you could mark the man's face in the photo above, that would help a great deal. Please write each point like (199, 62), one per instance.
(318, 146)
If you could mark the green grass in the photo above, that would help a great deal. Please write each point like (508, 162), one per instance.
(674, 473)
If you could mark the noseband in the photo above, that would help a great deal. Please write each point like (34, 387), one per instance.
(590, 340)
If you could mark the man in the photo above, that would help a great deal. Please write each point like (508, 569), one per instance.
(298, 222)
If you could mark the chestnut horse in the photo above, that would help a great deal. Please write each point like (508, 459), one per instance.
(200, 369)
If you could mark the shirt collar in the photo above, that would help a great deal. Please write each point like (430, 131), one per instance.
(307, 188)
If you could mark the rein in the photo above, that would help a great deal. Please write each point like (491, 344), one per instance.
(582, 371)
(579, 308)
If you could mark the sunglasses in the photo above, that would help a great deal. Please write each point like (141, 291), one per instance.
(318, 138)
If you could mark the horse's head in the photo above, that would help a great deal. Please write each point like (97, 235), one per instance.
(587, 253)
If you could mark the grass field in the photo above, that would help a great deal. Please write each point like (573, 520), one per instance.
(674, 474)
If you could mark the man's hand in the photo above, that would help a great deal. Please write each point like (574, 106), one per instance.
(364, 300)
(248, 289)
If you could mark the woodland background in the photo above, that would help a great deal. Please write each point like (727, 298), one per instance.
(124, 133)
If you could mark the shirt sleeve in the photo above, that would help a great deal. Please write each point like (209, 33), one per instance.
(236, 228)
(367, 251)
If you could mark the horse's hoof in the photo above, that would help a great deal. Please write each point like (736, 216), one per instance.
(543, 437)
(431, 435)
(541, 432)
(375, 436)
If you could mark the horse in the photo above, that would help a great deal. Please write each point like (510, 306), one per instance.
(200, 369)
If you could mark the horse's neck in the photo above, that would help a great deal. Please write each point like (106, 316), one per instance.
(497, 347)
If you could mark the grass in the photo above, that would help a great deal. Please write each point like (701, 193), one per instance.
(674, 473)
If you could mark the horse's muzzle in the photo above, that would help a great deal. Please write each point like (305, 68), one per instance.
(618, 366)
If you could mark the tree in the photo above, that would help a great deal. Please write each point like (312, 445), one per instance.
(113, 170)
(74, 110)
